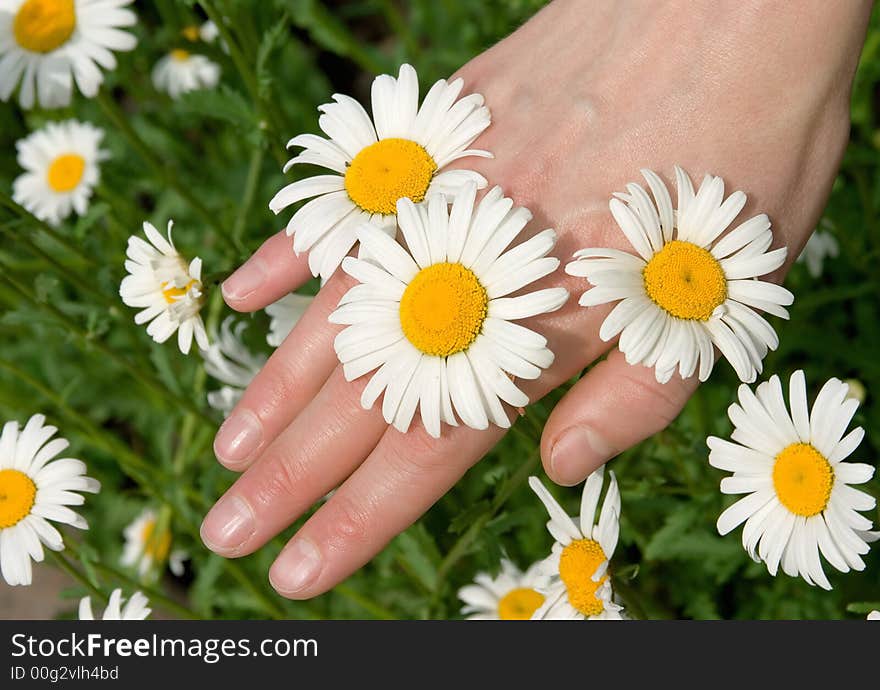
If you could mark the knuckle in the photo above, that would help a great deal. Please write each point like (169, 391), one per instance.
(285, 480)
(419, 455)
(661, 402)
(348, 521)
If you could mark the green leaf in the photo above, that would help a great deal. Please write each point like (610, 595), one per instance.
(863, 606)
(272, 40)
(419, 553)
(224, 104)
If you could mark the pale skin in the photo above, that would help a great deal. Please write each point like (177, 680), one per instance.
(582, 97)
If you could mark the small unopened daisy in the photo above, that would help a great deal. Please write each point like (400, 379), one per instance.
(437, 320)
(402, 152)
(511, 596)
(47, 45)
(685, 289)
(283, 316)
(165, 288)
(61, 163)
(35, 489)
(820, 245)
(789, 463)
(580, 586)
(147, 547)
(874, 616)
(230, 361)
(181, 71)
(135, 609)
(856, 390)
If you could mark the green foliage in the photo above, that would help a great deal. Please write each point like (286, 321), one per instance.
(211, 161)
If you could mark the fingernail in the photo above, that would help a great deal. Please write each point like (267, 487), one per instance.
(237, 438)
(296, 568)
(576, 453)
(245, 280)
(228, 525)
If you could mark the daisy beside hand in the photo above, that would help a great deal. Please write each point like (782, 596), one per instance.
(581, 100)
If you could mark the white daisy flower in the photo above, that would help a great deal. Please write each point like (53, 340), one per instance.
(35, 489)
(799, 500)
(283, 316)
(580, 586)
(401, 153)
(437, 320)
(167, 289)
(874, 616)
(61, 169)
(820, 245)
(135, 609)
(511, 596)
(181, 71)
(687, 290)
(144, 548)
(229, 361)
(46, 45)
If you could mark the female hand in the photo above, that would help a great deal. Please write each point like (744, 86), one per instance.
(582, 97)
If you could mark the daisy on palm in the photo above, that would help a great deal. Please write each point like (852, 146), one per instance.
(437, 320)
(789, 463)
(146, 546)
(580, 587)
(35, 489)
(511, 596)
(61, 163)
(47, 45)
(165, 288)
(229, 361)
(135, 609)
(686, 290)
(399, 153)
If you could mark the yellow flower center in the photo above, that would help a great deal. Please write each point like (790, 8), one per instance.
(180, 55)
(191, 33)
(577, 565)
(172, 294)
(66, 171)
(803, 479)
(155, 546)
(386, 171)
(443, 308)
(41, 26)
(17, 495)
(686, 281)
(519, 604)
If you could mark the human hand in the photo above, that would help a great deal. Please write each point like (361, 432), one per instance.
(581, 100)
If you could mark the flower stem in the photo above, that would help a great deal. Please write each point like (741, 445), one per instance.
(131, 463)
(263, 104)
(47, 229)
(377, 610)
(63, 270)
(114, 113)
(247, 199)
(399, 25)
(68, 568)
(154, 595)
(74, 327)
(464, 542)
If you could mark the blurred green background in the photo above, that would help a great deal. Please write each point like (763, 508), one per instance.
(136, 411)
